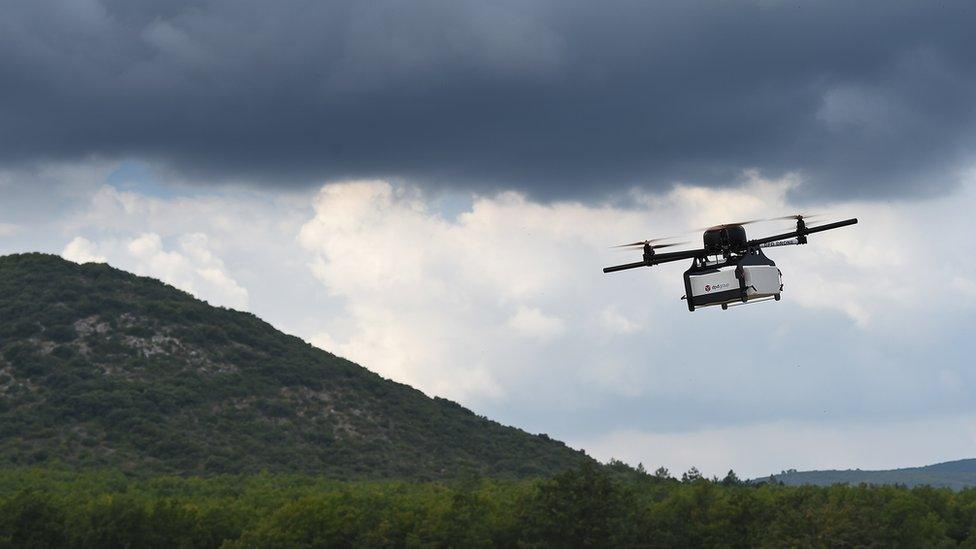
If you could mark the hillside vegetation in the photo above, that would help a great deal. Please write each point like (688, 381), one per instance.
(951, 474)
(101, 368)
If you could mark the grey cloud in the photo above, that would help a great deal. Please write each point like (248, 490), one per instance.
(561, 99)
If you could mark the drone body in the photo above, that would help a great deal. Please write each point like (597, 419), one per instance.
(729, 269)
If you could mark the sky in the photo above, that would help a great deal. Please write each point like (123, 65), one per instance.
(430, 189)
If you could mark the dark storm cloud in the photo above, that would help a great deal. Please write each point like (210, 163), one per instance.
(559, 98)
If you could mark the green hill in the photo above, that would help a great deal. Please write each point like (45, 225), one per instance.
(101, 368)
(952, 474)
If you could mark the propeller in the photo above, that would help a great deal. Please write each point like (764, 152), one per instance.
(796, 217)
(653, 246)
(727, 225)
(635, 245)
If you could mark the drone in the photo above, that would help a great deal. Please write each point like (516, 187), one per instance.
(729, 269)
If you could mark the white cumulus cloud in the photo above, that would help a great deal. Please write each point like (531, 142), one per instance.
(531, 322)
(191, 266)
(82, 250)
(503, 306)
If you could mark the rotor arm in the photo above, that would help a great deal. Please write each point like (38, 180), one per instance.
(778, 243)
(657, 259)
(804, 232)
(616, 268)
(651, 258)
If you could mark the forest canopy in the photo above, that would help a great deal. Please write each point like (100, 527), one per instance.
(591, 505)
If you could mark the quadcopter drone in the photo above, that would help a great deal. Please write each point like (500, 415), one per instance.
(729, 269)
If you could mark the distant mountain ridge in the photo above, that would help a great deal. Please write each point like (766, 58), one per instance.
(957, 475)
(101, 368)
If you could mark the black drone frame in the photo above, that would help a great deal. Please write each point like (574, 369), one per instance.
(799, 234)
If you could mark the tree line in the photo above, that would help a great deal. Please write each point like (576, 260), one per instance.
(593, 505)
